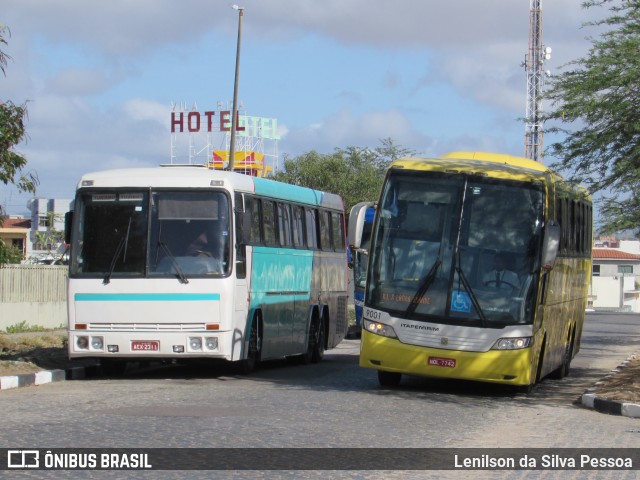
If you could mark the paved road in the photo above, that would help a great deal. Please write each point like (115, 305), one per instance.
(333, 404)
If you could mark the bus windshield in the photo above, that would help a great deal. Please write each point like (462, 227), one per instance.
(456, 249)
(159, 233)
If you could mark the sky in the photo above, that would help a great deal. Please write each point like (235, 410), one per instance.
(100, 78)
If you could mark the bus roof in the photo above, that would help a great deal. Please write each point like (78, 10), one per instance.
(491, 164)
(199, 176)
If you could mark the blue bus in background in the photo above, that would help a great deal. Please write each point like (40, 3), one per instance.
(359, 262)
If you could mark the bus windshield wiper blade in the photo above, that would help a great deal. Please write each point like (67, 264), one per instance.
(431, 276)
(114, 259)
(124, 241)
(181, 276)
(474, 299)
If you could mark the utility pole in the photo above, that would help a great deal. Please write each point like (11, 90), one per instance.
(533, 63)
(234, 113)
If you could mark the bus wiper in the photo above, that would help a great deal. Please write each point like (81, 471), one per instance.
(112, 267)
(122, 245)
(431, 276)
(181, 276)
(474, 299)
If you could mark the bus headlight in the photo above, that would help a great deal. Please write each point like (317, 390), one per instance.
(82, 343)
(516, 343)
(97, 343)
(211, 343)
(380, 329)
(195, 343)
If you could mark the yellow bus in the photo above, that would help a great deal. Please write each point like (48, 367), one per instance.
(479, 266)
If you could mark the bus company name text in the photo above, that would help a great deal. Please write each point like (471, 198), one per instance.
(545, 462)
(419, 327)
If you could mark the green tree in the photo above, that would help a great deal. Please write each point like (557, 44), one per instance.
(596, 112)
(9, 254)
(12, 132)
(354, 173)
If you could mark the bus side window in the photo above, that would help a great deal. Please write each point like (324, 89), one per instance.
(241, 249)
(255, 235)
(337, 229)
(268, 222)
(325, 230)
(284, 224)
(311, 228)
(298, 227)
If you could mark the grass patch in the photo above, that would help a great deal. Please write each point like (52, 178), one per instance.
(24, 327)
(24, 344)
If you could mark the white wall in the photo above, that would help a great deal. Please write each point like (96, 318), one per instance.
(614, 293)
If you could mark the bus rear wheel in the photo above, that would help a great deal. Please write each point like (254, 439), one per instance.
(318, 340)
(389, 379)
(563, 370)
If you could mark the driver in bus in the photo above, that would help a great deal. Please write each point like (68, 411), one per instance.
(199, 247)
(500, 277)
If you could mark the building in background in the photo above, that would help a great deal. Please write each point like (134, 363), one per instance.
(46, 237)
(615, 278)
(14, 231)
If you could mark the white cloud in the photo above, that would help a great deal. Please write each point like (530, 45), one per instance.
(78, 82)
(82, 66)
(344, 128)
(139, 109)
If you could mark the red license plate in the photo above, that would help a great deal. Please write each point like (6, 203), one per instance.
(442, 362)
(145, 345)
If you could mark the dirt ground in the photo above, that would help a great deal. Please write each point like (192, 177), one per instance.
(34, 352)
(623, 385)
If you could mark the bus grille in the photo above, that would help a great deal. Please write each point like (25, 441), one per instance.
(147, 327)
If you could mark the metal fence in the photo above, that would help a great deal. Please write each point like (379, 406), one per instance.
(33, 283)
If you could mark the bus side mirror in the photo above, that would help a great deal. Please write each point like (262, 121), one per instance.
(356, 223)
(68, 222)
(550, 245)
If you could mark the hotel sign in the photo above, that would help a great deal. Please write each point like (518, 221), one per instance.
(220, 121)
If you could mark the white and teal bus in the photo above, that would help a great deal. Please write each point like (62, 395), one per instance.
(186, 262)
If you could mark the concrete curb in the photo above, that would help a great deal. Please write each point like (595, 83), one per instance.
(590, 399)
(47, 376)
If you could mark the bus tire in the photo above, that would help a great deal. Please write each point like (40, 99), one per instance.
(112, 368)
(563, 370)
(389, 379)
(252, 361)
(318, 338)
(307, 357)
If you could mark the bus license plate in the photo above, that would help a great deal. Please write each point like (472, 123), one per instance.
(145, 345)
(442, 362)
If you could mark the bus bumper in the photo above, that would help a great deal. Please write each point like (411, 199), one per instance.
(512, 367)
(150, 345)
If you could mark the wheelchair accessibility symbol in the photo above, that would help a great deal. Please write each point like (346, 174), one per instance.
(460, 301)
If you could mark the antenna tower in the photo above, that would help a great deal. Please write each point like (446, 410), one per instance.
(533, 63)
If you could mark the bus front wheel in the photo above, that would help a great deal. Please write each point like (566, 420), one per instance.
(113, 368)
(250, 363)
(389, 379)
